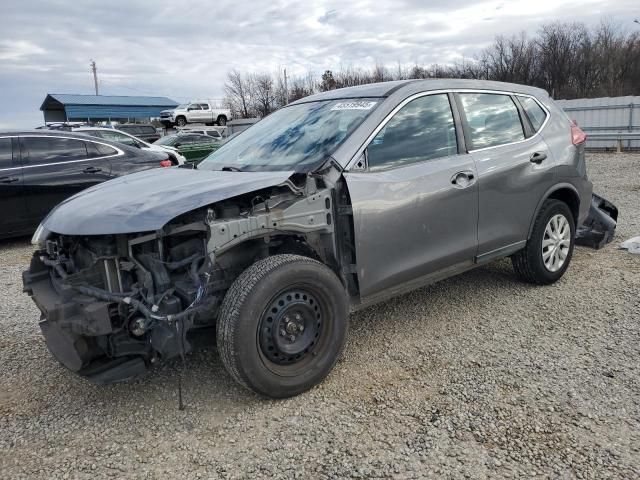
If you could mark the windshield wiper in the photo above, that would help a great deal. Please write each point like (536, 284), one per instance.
(230, 169)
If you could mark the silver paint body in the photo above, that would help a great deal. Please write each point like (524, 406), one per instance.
(413, 226)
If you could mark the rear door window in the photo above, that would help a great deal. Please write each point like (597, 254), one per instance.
(45, 150)
(6, 153)
(421, 130)
(493, 119)
(534, 111)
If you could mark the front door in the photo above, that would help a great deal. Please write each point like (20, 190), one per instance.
(12, 202)
(415, 207)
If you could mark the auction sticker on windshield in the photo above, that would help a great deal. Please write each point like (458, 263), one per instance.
(354, 106)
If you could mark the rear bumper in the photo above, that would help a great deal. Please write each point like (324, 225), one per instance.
(599, 225)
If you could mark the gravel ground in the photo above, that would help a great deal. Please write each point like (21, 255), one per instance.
(478, 376)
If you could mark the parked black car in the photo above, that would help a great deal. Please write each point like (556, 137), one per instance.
(39, 169)
(145, 132)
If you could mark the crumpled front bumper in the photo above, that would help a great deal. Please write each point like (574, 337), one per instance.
(600, 225)
(80, 331)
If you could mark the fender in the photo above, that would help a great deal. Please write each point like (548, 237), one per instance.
(547, 194)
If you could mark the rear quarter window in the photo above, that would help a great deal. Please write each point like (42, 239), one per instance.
(534, 111)
(95, 149)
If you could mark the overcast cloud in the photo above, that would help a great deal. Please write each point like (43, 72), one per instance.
(184, 49)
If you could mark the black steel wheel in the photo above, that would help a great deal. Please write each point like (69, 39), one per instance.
(282, 325)
(290, 327)
(222, 120)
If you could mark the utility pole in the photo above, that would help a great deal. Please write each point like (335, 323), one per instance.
(286, 89)
(95, 75)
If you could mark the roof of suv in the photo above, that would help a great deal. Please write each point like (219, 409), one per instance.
(384, 89)
(40, 133)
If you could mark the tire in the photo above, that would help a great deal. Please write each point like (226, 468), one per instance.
(181, 121)
(260, 307)
(529, 263)
(221, 121)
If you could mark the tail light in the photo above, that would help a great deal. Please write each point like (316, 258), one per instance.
(577, 135)
(166, 163)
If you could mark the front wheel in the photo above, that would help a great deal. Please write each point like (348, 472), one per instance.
(548, 252)
(181, 121)
(282, 325)
(221, 121)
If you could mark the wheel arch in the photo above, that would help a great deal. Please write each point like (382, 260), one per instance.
(564, 192)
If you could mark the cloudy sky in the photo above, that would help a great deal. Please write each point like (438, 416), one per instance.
(183, 49)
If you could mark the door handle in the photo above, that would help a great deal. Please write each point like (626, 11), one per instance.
(537, 157)
(8, 179)
(463, 179)
(91, 170)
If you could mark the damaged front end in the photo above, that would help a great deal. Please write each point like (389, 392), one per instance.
(113, 305)
(600, 226)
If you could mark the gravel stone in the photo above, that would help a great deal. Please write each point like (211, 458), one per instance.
(478, 376)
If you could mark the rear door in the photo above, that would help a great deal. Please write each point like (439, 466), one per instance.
(515, 168)
(12, 201)
(54, 168)
(194, 112)
(415, 208)
(205, 114)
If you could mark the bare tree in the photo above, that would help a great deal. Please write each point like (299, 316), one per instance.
(263, 94)
(238, 94)
(567, 59)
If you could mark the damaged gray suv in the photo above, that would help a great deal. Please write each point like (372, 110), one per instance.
(335, 202)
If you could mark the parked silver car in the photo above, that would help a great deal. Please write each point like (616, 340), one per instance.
(335, 202)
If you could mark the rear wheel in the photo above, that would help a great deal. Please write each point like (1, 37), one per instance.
(222, 120)
(282, 325)
(548, 252)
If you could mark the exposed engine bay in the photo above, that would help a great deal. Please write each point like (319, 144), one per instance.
(112, 305)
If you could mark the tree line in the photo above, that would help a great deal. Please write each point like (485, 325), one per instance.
(569, 60)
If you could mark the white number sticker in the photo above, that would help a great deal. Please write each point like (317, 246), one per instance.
(356, 105)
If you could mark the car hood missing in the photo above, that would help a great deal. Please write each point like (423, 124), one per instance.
(146, 201)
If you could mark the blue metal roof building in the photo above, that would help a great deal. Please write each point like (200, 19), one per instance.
(69, 107)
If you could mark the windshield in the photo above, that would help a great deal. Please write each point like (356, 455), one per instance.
(298, 137)
(166, 140)
(184, 105)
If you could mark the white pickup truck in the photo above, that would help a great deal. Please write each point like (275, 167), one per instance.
(195, 112)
